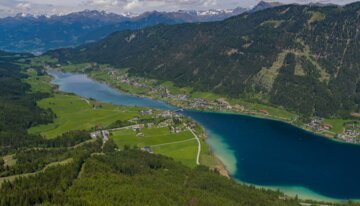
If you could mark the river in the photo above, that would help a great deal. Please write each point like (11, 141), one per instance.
(261, 152)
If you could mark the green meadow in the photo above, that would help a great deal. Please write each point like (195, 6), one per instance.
(181, 146)
(75, 113)
(39, 83)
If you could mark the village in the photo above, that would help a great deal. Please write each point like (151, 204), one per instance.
(158, 91)
(350, 133)
(169, 120)
(153, 89)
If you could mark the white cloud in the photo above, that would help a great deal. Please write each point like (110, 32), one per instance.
(11, 7)
(132, 5)
(23, 6)
(208, 3)
(102, 2)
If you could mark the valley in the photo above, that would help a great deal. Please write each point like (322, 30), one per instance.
(54, 168)
(160, 132)
(347, 130)
(194, 103)
(239, 141)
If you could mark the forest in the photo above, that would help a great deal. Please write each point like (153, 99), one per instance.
(244, 57)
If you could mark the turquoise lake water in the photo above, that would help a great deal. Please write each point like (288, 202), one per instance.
(256, 151)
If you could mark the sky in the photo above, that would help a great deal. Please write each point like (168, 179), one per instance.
(12, 7)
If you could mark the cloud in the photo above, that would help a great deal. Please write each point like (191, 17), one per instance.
(23, 6)
(11, 7)
(102, 2)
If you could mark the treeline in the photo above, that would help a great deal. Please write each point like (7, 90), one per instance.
(18, 109)
(36, 157)
(50, 185)
(133, 177)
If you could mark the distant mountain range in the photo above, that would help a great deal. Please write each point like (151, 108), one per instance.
(304, 58)
(36, 34)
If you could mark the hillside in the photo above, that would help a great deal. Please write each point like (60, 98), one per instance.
(72, 169)
(304, 58)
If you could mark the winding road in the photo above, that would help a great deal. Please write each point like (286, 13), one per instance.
(199, 145)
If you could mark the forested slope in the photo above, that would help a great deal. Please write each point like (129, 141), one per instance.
(74, 170)
(304, 58)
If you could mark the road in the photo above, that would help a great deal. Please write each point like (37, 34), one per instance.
(199, 145)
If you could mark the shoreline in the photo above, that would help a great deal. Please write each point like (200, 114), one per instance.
(220, 165)
(250, 114)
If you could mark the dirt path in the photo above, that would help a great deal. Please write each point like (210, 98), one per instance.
(187, 140)
(199, 145)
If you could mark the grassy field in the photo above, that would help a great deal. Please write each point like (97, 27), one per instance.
(176, 90)
(185, 151)
(339, 124)
(38, 83)
(181, 146)
(75, 113)
(273, 111)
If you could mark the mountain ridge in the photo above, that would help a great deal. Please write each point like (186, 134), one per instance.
(264, 56)
(39, 33)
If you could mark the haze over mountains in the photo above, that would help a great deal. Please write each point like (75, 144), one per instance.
(304, 58)
(36, 34)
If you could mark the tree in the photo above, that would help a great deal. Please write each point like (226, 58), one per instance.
(110, 146)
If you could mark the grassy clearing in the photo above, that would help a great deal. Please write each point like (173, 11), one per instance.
(338, 125)
(205, 95)
(273, 111)
(185, 152)
(267, 76)
(176, 90)
(153, 136)
(315, 17)
(76, 67)
(75, 113)
(9, 160)
(40, 61)
(272, 23)
(38, 83)
(181, 146)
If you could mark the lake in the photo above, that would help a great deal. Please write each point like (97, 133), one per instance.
(256, 151)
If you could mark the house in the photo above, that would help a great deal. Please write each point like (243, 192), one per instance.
(147, 149)
(105, 135)
(326, 126)
(138, 126)
(146, 112)
(177, 130)
(95, 135)
(166, 114)
(264, 111)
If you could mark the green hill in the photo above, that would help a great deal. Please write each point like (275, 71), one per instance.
(304, 58)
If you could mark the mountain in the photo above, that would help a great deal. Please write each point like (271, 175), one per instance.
(205, 16)
(36, 34)
(304, 58)
(265, 5)
(24, 33)
(145, 20)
